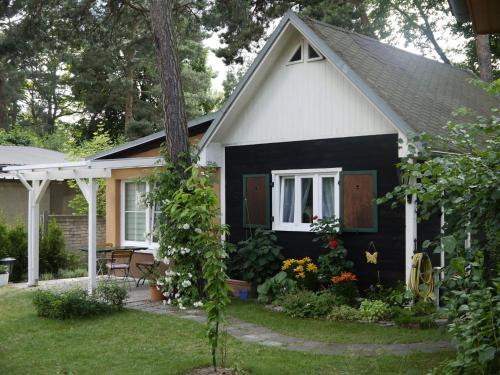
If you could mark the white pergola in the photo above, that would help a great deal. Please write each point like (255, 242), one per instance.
(36, 178)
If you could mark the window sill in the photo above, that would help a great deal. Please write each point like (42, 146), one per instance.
(292, 228)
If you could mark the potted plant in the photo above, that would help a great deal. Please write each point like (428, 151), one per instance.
(155, 291)
(4, 275)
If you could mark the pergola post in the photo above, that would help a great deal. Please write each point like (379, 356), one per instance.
(92, 233)
(35, 233)
(410, 230)
(31, 270)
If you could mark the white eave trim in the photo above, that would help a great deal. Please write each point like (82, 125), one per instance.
(80, 169)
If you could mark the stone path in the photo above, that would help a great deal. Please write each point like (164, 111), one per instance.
(250, 332)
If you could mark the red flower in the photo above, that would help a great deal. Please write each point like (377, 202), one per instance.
(315, 217)
(333, 244)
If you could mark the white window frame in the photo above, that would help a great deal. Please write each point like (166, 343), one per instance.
(149, 220)
(320, 57)
(298, 174)
(301, 45)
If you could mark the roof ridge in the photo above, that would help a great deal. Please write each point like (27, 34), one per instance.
(341, 29)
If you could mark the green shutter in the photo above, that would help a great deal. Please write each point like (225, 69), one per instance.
(358, 206)
(256, 201)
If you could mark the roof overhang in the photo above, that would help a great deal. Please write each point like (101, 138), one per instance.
(484, 14)
(290, 18)
(79, 169)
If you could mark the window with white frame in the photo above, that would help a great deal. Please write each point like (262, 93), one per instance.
(299, 195)
(139, 220)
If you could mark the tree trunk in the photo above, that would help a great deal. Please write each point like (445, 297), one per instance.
(483, 52)
(3, 106)
(129, 101)
(172, 98)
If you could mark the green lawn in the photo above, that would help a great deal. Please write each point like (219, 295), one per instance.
(141, 343)
(330, 331)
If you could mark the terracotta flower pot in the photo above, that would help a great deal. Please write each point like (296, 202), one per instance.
(156, 295)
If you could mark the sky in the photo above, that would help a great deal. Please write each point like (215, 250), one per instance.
(451, 44)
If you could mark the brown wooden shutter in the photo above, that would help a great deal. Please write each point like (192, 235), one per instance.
(358, 207)
(256, 201)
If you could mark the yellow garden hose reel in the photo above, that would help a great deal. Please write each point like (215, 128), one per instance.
(421, 281)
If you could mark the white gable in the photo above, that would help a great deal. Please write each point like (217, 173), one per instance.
(301, 101)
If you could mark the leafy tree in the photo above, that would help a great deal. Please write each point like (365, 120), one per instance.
(463, 179)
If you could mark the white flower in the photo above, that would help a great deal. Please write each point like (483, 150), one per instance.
(185, 226)
(186, 283)
(169, 301)
(198, 230)
(190, 275)
(165, 294)
(181, 306)
(198, 304)
(177, 295)
(165, 302)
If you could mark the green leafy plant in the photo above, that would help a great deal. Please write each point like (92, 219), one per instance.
(53, 254)
(190, 241)
(307, 304)
(78, 303)
(373, 311)
(343, 313)
(275, 287)
(3, 269)
(335, 261)
(257, 258)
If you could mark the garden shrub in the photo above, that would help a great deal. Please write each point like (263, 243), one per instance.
(373, 311)
(77, 303)
(52, 249)
(343, 313)
(18, 248)
(257, 258)
(275, 287)
(307, 304)
(345, 287)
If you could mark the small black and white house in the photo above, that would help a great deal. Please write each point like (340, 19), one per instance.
(313, 129)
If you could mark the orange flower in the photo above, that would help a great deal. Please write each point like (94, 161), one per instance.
(344, 276)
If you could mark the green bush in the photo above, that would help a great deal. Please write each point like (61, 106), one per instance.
(343, 313)
(307, 304)
(275, 287)
(18, 249)
(52, 249)
(346, 291)
(373, 311)
(257, 258)
(77, 303)
(406, 318)
(3, 269)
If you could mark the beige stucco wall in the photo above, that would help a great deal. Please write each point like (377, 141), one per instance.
(113, 187)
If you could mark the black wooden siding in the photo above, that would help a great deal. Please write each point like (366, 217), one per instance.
(354, 153)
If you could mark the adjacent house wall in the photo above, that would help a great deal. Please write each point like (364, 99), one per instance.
(14, 200)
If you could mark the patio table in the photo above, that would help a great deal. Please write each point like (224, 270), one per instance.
(102, 251)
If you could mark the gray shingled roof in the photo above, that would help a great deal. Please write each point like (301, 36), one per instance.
(422, 91)
(23, 155)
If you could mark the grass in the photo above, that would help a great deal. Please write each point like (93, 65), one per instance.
(141, 343)
(330, 331)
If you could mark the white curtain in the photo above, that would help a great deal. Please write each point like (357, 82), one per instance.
(307, 204)
(288, 188)
(328, 197)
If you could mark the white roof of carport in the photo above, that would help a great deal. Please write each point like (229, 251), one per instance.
(85, 173)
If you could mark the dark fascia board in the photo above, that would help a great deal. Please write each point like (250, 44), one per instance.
(460, 10)
(149, 138)
(321, 46)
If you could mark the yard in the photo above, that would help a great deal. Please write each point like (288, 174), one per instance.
(141, 343)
